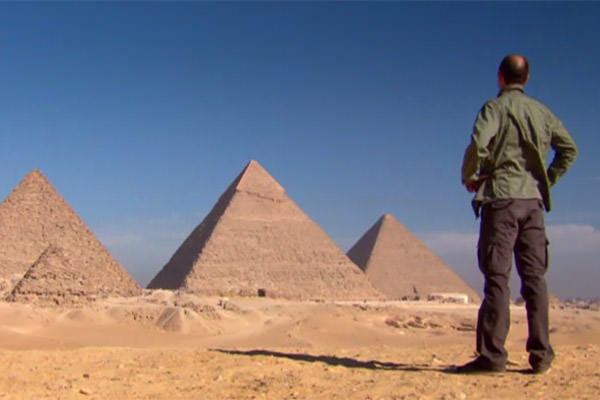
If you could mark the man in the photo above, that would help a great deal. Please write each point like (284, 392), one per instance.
(505, 166)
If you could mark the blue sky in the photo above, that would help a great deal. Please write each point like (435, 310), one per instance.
(141, 114)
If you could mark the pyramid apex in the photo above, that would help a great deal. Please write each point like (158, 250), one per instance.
(32, 182)
(255, 179)
(35, 177)
(387, 219)
(35, 173)
(252, 165)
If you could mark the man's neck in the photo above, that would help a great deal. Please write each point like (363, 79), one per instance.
(512, 86)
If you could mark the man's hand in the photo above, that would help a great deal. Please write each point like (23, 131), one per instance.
(473, 186)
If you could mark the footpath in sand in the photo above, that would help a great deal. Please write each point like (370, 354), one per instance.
(165, 345)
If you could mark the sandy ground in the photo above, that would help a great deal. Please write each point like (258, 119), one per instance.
(165, 345)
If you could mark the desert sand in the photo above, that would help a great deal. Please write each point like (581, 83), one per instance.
(170, 345)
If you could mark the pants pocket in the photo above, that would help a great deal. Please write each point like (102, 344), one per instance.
(494, 259)
(502, 203)
(547, 254)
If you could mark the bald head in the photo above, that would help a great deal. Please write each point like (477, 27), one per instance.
(514, 68)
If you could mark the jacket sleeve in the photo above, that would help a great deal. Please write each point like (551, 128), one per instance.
(565, 151)
(487, 125)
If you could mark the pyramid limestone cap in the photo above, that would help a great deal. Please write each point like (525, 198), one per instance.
(256, 180)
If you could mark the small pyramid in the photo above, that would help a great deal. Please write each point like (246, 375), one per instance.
(257, 241)
(55, 279)
(35, 218)
(401, 266)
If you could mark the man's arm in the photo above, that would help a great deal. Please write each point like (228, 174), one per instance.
(487, 125)
(565, 151)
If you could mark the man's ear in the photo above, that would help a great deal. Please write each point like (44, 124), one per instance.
(500, 80)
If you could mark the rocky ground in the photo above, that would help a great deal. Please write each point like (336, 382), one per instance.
(164, 345)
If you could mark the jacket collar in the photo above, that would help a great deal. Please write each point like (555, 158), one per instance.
(511, 87)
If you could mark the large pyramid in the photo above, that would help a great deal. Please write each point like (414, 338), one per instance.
(257, 241)
(41, 234)
(400, 265)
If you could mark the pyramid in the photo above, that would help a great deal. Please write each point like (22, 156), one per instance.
(401, 266)
(55, 279)
(35, 221)
(257, 241)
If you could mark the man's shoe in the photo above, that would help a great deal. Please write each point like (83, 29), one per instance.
(477, 367)
(538, 366)
(540, 369)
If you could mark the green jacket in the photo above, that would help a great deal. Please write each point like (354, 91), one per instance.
(510, 140)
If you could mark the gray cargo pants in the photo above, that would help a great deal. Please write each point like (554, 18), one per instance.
(507, 226)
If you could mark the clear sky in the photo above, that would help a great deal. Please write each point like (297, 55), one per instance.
(141, 114)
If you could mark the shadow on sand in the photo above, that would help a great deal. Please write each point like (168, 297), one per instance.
(334, 360)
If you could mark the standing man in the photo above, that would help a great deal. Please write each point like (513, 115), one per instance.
(505, 165)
